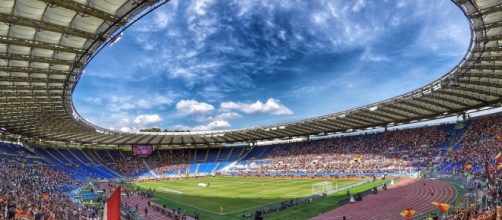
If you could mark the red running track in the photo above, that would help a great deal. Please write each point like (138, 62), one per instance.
(386, 205)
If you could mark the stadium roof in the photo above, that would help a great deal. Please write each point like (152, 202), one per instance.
(45, 45)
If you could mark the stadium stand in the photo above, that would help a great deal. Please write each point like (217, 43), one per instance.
(35, 191)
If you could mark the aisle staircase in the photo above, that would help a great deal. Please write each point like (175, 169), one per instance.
(457, 135)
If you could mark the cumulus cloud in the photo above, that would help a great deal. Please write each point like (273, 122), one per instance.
(272, 106)
(228, 116)
(147, 119)
(127, 123)
(211, 126)
(191, 107)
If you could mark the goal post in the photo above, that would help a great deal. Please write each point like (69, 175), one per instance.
(322, 187)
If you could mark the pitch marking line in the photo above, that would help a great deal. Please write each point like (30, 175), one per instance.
(170, 190)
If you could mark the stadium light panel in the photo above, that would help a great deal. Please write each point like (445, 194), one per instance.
(373, 108)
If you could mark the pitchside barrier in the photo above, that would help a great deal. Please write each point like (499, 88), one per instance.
(284, 205)
(359, 196)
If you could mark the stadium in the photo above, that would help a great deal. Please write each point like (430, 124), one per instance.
(429, 153)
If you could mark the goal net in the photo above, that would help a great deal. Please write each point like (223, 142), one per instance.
(322, 187)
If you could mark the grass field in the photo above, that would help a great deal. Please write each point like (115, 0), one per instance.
(238, 195)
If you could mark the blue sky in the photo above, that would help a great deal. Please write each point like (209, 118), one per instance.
(212, 65)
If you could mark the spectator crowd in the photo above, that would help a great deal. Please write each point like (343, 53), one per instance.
(388, 152)
(36, 192)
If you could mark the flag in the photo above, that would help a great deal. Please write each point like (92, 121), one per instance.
(499, 136)
(498, 161)
(408, 213)
(443, 207)
(112, 206)
(468, 167)
(45, 197)
(488, 172)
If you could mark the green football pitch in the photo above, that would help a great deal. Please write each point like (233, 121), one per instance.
(232, 197)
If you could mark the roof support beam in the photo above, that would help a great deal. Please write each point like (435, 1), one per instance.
(124, 139)
(286, 133)
(332, 127)
(485, 11)
(336, 122)
(112, 139)
(490, 58)
(262, 134)
(91, 138)
(482, 67)
(40, 25)
(463, 96)
(480, 83)
(426, 108)
(493, 38)
(228, 138)
(147, 139)
(404, 109)
(37, 44)
(347, 125)
(391, 112)
(325, 127)
(484, 75)
(300, 131)
(232, 137)
(488, 49)
(480, 91)
(376, 117)
(383, 114)
(256, 134)
(438, 97)
(311, 127)
(433, 103)
(30, 58)
(488, 26)
(359, 120)
(84, 9)
(32, 70)
(245, 134)
(167, 139)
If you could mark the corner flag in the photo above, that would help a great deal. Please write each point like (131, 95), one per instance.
(112, 206)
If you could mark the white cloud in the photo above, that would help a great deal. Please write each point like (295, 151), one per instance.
(272, 106)
(227, 116)
(147, 119)
(118, 103)
(157, 100)
(191, 107)
(358, 6)
(368, 55)
(214, 125)
(161, 20)
(181, 127)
